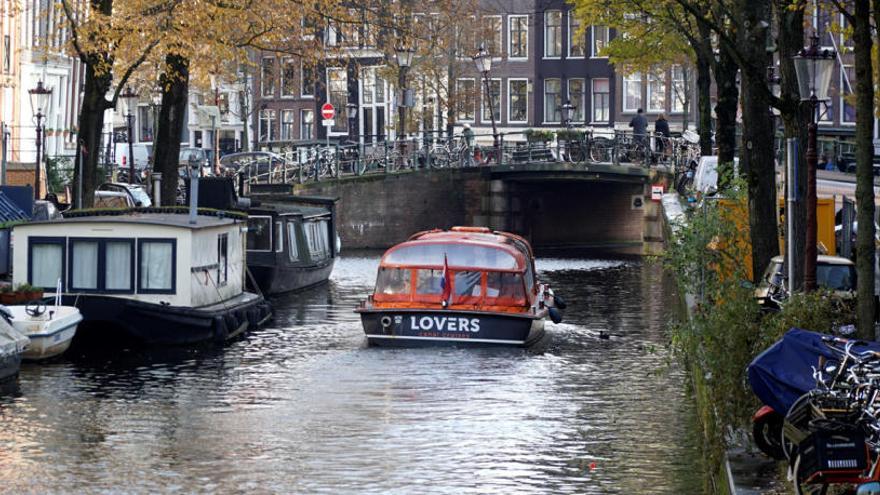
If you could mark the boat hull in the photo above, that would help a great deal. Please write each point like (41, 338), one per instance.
(9, 365)
(156, 324)
(278, 278)
(50, 344)
(409, 327)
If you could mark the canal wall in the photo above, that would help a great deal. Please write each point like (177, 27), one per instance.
(380, 210)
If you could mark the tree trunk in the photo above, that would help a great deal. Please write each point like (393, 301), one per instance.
(245, 110)
(704, 89)
(865, 255)
(795, 117)
(175, 84)
(451, 102)
(756, 157)
(686, 101)
(725, 111)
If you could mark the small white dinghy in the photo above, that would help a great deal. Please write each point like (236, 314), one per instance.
(50, 329)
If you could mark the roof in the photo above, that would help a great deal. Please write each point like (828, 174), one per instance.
(476, 237)
(146, 216)
(305, 211)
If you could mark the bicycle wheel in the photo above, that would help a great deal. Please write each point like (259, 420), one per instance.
(801, 488)
(439, 157)
(577, 153)
(600, 151)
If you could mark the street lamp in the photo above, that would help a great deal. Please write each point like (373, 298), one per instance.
(483, 62)
(352, 112)
(404, 61)
(39, 103)
(814, 67)
(567, 113)
(130, 99)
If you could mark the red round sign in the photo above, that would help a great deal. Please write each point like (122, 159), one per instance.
(327, 111)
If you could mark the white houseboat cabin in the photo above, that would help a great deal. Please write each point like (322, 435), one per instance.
(153, 275)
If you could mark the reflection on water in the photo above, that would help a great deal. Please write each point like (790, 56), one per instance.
(303, 406)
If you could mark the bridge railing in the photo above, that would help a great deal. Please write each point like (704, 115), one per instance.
(318, 161)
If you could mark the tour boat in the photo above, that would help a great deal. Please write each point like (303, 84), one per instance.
(50, 329)
(12, 345)
(155, 275)
(464, 285)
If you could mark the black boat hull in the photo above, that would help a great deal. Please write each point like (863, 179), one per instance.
(9, 366)
(409, 327)
(278, 278)
(156, 324)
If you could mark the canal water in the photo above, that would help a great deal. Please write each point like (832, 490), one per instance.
(303, 406)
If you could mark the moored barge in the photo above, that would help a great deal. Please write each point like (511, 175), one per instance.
(465, 285)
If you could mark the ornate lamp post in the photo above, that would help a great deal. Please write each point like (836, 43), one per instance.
(483, 62)
(814, 68)
(404, 61)
(567, 113)
(351, 109)
(39, 103)
(130, 98)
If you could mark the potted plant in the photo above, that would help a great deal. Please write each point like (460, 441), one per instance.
(28, 292)
(538, 135)
(6, 294)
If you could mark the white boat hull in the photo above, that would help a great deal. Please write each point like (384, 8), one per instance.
(49, 335)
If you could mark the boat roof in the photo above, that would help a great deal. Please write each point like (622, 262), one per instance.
(288, 209)
(462, 247)
(167, 217)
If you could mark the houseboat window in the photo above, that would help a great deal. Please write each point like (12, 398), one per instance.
(279, 236)
(47, 263)
(456, 255)
(222, 259)
(84, 265)
(316, 233)
(506, 285)
(259, 236)
(393, 281)
(468, 284)
(156, 270)
(429, 281)
(117, 273)
(292, 249)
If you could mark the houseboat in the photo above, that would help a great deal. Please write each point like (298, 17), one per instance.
(464, 285)
(156, 275)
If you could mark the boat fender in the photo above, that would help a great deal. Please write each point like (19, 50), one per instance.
(231, 322)
(555, 315)
(253, 317)
(221, 331)
(559, 302)
(385, 321)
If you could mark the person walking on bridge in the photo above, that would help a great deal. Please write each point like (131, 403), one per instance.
(639, 125)
(467, 134)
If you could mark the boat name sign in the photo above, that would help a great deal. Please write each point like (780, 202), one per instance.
(444, 324)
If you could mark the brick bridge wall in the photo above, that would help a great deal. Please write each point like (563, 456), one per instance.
(377, 211)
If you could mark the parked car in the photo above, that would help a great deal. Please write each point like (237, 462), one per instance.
(137, 193)
(253, 163)
(113, 199)
(143, 155)
(706, 175)
(832, 272)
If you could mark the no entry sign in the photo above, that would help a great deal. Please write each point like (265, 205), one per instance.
(327, 111)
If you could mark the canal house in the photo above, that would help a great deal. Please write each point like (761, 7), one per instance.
(160, 277)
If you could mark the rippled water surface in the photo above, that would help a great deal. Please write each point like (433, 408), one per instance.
(303, 406)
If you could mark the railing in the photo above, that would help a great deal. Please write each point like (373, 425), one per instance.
(319, 161)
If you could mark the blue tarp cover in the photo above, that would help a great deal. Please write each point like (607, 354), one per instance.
(784, 371)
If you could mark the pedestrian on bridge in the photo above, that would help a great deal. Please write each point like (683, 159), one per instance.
(468, 135)
(639, 125)
(661, 133)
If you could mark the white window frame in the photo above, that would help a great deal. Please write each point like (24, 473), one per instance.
(593, 53)
(457, 119)
(279, 234)
(544, 96)
(662, 79)
(282, 64)
(510, 19)
(263, 78)
(270, 134)
(302, 82)
(546, 44)
(484, 116)
(302, 114)
(583, 102)
(571, 37)
(282, 123)
(629, 78)
(341, 113)
(509, 92)
(593, 101)
(672, 92)
(499, 34)
(271, 234)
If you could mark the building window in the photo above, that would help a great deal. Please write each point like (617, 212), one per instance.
(83, 265)
(119, 265)
(601, 100)
(495, 90)
(224, 104)
(494, 40)
(518, 36)
(337, 95)
(552, 101)
(308, 81)
(267, 125)
(466, 99)
(222, 259)
(157, 264)
(267, 77)
(577, 97)
(288, 77)
(600, 40)
(146, 121)
(517, 91)
(553, 33)
(577, 40)
(847, 111)
(306, 124)
(679, 88)
(287, 125)
(632, 92)
(656, 91)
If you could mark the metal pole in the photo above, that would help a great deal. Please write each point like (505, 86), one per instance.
(790, 209)
(130, 118)
(39, 149)
(193, 195)
(4, 136)
(492, 117)
(810, 249)
(79, 183)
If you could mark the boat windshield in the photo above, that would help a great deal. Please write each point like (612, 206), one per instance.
(462, 255)
(473, 288)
